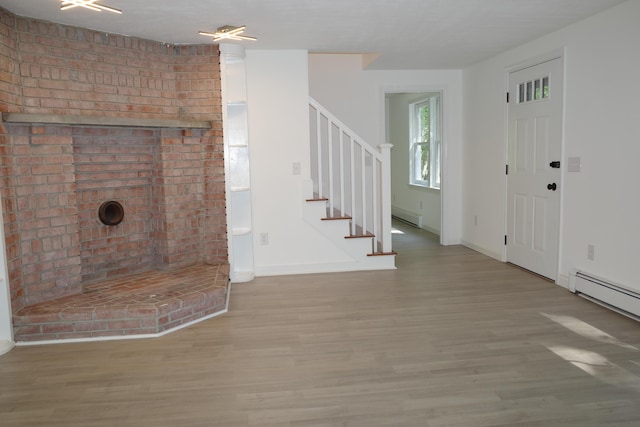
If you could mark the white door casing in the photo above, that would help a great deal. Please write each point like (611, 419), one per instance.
(533, 182)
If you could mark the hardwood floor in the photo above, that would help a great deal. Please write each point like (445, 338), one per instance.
(451, 338)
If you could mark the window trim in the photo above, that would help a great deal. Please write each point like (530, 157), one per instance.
(435, 139)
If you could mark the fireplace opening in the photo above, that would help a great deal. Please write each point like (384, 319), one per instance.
(111, 213)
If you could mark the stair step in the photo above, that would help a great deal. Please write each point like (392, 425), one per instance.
(383, 253)
(360, 249)
(359, 232)
(359, 236)
(335, 216)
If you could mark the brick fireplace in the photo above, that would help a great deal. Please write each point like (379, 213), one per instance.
(89, 118)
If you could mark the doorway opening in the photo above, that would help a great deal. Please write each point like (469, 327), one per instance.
(413, 125)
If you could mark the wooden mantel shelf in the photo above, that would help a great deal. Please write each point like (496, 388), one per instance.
(82, 120)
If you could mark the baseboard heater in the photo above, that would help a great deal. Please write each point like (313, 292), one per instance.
(408, 217)
(611, 295)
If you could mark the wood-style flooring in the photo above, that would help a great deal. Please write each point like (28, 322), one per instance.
(450, 338)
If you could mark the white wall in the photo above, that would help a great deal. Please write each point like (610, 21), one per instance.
(601, 204)
(424, 201)
(278, 115)
(357, 98)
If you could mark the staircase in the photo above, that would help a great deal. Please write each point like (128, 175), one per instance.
(350, 200)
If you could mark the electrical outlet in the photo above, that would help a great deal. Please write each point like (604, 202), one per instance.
(264, 239)
(296, 168)
(591, 252)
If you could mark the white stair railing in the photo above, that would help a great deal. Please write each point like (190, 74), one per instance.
(354, 176)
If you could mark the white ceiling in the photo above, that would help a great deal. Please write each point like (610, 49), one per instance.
(407, 34)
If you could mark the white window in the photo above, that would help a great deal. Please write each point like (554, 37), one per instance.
(426, 140)
(533, 90)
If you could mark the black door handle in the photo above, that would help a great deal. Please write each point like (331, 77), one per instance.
(552, 187)
(555, 165)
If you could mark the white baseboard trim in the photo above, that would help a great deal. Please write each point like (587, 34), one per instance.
(563, 280)
(482, 250)
(128, 337)
(285, 270)
(6, 346)
(431, 230)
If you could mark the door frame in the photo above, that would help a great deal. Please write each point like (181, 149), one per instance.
(559, 53)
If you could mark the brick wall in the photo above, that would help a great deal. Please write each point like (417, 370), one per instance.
(115, 164)
(185, 197)
(46, 213)
(9, 77)
(170, 181)
(67, 70)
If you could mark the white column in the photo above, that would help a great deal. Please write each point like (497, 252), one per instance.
(237, 165)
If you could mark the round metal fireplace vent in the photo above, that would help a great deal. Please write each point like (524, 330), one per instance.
(111, 213)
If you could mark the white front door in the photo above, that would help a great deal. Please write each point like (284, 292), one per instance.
(533, 179)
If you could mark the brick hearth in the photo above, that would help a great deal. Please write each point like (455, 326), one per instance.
(146, 303)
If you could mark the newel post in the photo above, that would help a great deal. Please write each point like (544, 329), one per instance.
(385, 196)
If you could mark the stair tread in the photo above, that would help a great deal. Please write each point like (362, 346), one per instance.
(358, 236)
(383, 253)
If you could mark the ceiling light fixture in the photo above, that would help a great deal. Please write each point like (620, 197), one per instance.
(228, 33)
(87, 4)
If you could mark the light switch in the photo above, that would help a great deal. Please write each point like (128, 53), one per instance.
(264, 238)
(574, 164)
